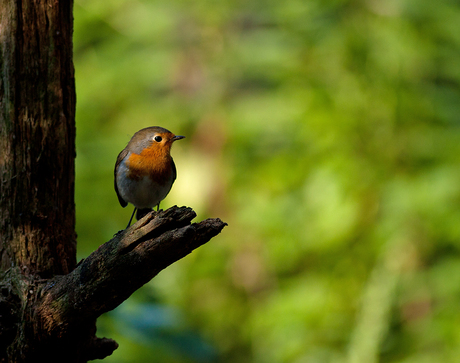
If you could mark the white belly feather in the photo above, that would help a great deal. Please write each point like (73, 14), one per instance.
(142, 193)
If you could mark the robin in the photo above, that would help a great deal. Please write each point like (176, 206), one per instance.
(145, 170)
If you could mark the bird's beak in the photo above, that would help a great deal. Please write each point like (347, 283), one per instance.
(177, 137)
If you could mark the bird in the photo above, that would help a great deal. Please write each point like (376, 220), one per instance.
(145, 171)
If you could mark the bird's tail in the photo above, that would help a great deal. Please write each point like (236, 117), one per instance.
(142, 212)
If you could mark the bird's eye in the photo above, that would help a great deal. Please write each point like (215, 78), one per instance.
(157, 138)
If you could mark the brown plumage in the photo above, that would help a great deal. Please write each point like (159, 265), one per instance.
(144, 170)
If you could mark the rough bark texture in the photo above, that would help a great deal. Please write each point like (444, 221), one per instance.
(37, 136)
(54, 319)
(122, 265)
(48, 304)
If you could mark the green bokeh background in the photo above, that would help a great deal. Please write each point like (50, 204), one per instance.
(325, 133)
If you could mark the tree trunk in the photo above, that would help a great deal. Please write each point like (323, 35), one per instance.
(48, 305)
(37, 137)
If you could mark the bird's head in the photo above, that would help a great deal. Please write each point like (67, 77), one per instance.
(155, 139)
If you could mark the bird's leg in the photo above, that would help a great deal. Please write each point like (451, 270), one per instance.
(158, 207)
(132, 215)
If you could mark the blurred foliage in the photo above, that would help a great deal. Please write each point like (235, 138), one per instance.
(327, 135)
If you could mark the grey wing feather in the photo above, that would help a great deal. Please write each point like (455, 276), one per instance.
(120, 158)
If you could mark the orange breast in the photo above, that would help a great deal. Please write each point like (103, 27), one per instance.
(154, 162)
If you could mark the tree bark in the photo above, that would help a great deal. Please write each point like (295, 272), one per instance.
(48, 304)
(37, 137)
